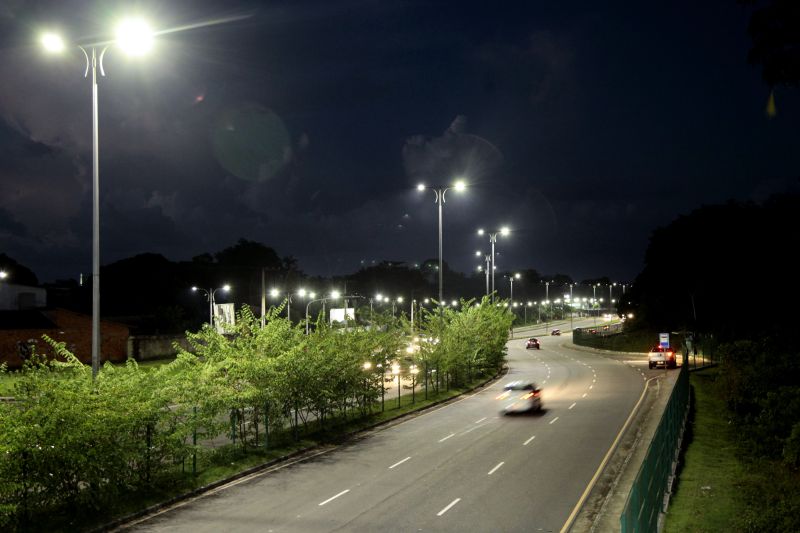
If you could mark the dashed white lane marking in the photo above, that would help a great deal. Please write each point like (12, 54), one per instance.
(334, 497)
(528, 441)
(440, 513)
(493, 470)
(591, 386)
(573, 405)
(398, 463)
(481, 420)
(584, 395)
(553, 420)
(447, 437)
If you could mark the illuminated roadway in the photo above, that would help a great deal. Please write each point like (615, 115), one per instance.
(461, 467)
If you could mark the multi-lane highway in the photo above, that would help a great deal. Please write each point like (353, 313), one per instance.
(460, 467)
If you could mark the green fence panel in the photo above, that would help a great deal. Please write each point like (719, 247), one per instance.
(646, 497)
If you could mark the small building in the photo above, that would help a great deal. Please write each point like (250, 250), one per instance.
(14, 297)
(21, 330)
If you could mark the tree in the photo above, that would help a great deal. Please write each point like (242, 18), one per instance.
(249, 254)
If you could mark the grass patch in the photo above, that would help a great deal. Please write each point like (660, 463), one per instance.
(706, 495)
(721, 489)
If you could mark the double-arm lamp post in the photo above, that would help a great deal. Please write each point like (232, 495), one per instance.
(439, 193)
(492, 240)
(134, 37)
(210, 297)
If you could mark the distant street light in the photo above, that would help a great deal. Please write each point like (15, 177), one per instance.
(414, 372)
(275, 293)
(488, 259)
(396, 373)
(439, 192)
(210, 297)
(511, 279)
(135, 38)
(504, 231)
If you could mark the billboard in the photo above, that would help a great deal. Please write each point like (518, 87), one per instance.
(224, 317)
(338, 314)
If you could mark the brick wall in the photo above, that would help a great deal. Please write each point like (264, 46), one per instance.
(75, 330)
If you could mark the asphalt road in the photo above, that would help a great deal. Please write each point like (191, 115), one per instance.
(461, 467)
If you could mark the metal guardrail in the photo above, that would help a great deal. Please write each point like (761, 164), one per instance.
(646, 499)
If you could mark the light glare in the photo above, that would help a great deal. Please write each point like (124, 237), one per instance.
(135, 37)
(52, 42)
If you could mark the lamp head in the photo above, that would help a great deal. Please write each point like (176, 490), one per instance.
(52, 42)
(134, 36)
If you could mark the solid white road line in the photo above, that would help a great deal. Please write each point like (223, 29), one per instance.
(398, 463)
(493, 470)
(447, 437)
(553, 420)
(568, 524)
(440, 513)
(334, 497)
(528, 441)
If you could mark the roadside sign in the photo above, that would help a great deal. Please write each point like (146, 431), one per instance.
(663, 340)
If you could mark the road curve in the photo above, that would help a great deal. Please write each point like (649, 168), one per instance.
(461, 467)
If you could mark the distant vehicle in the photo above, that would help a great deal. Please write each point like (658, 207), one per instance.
(660, 356)
(520, 396)
(555, 332)
(533, 342)
(593, 331)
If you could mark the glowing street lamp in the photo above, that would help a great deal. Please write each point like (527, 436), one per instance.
(134, 37)
(396, 373)
(210, 297)
(439, 193)
(504, 231)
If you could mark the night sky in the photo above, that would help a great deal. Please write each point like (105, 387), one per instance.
(305, 125)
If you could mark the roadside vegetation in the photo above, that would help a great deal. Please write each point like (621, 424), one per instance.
(738, 473)
(76, 452)
(742, 463)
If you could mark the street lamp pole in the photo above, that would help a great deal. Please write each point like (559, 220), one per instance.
(210, 297)
(135, 37)
(492, 241)
(511, 283)
(439, 193)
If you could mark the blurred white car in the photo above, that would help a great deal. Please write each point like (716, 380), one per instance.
(520, 397)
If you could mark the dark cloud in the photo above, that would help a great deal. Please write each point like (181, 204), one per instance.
(589, 125)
